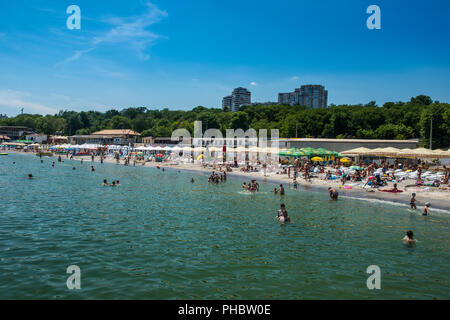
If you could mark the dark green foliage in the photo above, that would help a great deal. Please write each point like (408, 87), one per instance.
(394, 120)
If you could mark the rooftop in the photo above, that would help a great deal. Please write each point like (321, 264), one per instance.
(117, 132)
(346, 140)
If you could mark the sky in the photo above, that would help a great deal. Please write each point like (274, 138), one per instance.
(179, 54)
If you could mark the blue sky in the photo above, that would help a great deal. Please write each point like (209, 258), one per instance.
(180, 54)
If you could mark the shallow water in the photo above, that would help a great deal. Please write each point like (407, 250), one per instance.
(157, 236)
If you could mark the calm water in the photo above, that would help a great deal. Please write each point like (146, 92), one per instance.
(158, 236)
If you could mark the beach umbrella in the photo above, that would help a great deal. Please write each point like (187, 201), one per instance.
(345, 160)
(317, 159)
(200, 156)
(356, 152)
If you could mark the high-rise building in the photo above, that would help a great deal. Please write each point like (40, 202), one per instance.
(311, 96)
(239, 97)
(226, 103)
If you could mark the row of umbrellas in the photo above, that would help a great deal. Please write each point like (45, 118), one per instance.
(317, 154)
(391, 152)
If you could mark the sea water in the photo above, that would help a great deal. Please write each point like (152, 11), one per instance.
(159, 236)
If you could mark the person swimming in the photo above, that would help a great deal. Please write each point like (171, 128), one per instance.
(105, 182)
(425, 211)
(283, 214)
(409, 237)
(92, 168)
(113, 184)
(333, 193)
(117, 182)
(412, 201)
(73, 168)
(192, 180)
(275, 191)
(53, 163)
(30, 176)
(281, 190)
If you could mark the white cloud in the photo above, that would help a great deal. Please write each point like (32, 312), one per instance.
(13, 101)
(295, 78)
(130, 31)
(253, 84)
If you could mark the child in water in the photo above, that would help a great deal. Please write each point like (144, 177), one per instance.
(409, 238)
(412, 201)
(425, 211)
(283, 214)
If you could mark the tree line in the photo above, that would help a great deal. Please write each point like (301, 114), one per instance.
(393, 120)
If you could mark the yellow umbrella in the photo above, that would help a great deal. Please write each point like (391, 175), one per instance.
(200, 157)
(317, 159)
(345, 160)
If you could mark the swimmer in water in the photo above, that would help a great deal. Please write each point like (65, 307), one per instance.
(281, 190)
(113, 184)
(105, 182)
(275, 191)
(425, 211)
(30, 176)
(92, 168)
(333, 193)
(163, 169)
(53, 163)
(42, 161)
(409, 238)
(412, 201)
(73, 168)
(244, 185)
(117, 182)
(295, 184)
(192, 180)
(283, 214)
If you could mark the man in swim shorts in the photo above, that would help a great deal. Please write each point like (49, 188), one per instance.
(281, 190)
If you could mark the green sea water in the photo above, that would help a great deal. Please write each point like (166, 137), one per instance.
(159, 236)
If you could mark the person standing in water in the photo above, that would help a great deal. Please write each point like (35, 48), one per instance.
(283, 214)
(281, 190)
(409, 237)
(426, 209)
(333, 193)
(412, 201)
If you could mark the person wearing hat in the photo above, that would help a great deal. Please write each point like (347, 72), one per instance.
(412, 201)
(425, 211)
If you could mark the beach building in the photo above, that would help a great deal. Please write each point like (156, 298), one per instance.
(15, 132)
(36, 137)
(57, 139)
(108, 137)
(311, 96)
(161, 141)
(346, 144)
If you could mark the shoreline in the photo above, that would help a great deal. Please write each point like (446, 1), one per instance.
(436, 197)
